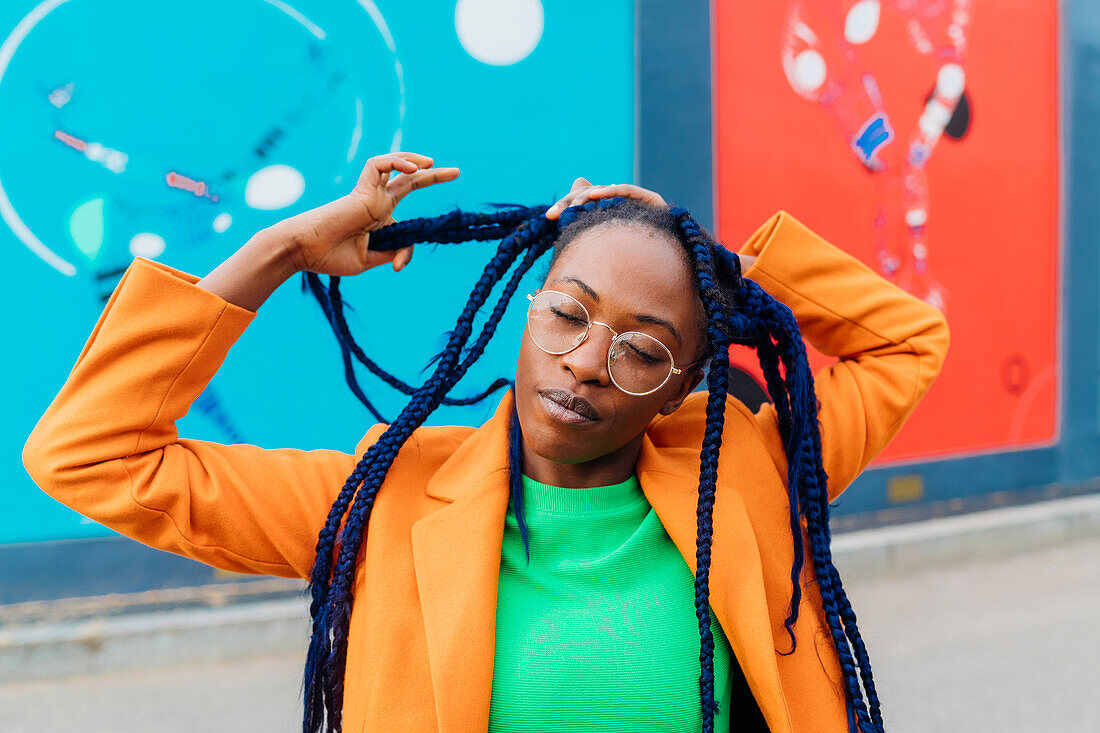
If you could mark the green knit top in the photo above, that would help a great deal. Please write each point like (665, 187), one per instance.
(599, 632)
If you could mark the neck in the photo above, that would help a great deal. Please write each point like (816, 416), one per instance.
(612, 468)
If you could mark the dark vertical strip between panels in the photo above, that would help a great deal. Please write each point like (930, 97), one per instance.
(673, 85)
(1081, 271)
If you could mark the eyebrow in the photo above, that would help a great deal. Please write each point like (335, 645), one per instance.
(582, 285)
(641, 317)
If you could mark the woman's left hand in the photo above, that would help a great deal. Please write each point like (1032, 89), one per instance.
(583, 191)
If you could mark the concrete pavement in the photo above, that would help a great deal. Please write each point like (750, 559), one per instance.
(1006, 644)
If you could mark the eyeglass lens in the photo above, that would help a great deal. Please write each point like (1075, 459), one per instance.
(557, 323)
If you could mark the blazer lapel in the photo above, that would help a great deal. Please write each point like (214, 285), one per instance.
(456, 556)
(736, 575)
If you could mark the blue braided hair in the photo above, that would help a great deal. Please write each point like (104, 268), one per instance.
(736, 309)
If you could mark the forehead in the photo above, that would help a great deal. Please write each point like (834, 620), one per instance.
(633, 270)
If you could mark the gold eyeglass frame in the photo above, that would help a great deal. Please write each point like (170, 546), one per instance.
(615, 338)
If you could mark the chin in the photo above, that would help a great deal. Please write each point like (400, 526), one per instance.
(556, 449)
(558, 443)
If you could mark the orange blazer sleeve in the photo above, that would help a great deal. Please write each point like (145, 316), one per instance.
(889, 344)
(108, 446)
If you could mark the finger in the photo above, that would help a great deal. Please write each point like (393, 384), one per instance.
(588, 194)
(617, 189)
(401, 259)
(624, 189)
(365, 252)
(584, 196)
(561, 205)
(369, 257)
(395, 162)
(422, 161)
(377, 170)
(628, 190)
(555, 210)
(565, 204)
(402, 185)
(579, 183)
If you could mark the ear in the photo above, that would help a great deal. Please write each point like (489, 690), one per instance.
(688, 382)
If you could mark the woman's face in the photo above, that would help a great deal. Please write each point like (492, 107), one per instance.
(632, 279)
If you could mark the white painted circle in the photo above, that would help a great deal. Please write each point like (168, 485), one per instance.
(809, 70)
(222, 222)
(861, 22)
(116, 161)
(274, 187)
(950, 80)
(147, 244)
(499, 32)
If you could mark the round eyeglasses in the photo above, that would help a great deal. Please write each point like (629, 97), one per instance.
(637, 363)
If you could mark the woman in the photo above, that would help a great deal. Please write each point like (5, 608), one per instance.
(536, 572)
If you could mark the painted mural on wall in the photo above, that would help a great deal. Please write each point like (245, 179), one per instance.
(176, 131)
(921, 136)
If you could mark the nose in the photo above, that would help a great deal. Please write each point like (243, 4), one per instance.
(588, 362)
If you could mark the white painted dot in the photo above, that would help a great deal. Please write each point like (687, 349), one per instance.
(116, 161)
(147, 245)
(809, 70)
(861, 22)
(916, 217)
(935, 299)
(499, 32)
(950, 80)
(222, 222)
(274, 187)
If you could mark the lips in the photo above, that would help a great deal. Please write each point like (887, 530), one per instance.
(571, 401)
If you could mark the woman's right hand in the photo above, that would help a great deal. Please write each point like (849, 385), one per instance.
(334, 239)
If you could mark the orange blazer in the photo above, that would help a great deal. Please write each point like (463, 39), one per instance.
(420, 653)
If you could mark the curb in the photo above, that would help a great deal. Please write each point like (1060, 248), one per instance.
(146, 640)
(993, 533)
(150, 640)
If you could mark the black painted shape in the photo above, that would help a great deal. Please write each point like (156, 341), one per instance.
(959, 124)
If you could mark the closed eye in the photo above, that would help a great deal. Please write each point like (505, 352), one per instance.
(646, 357)
(566, 316)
